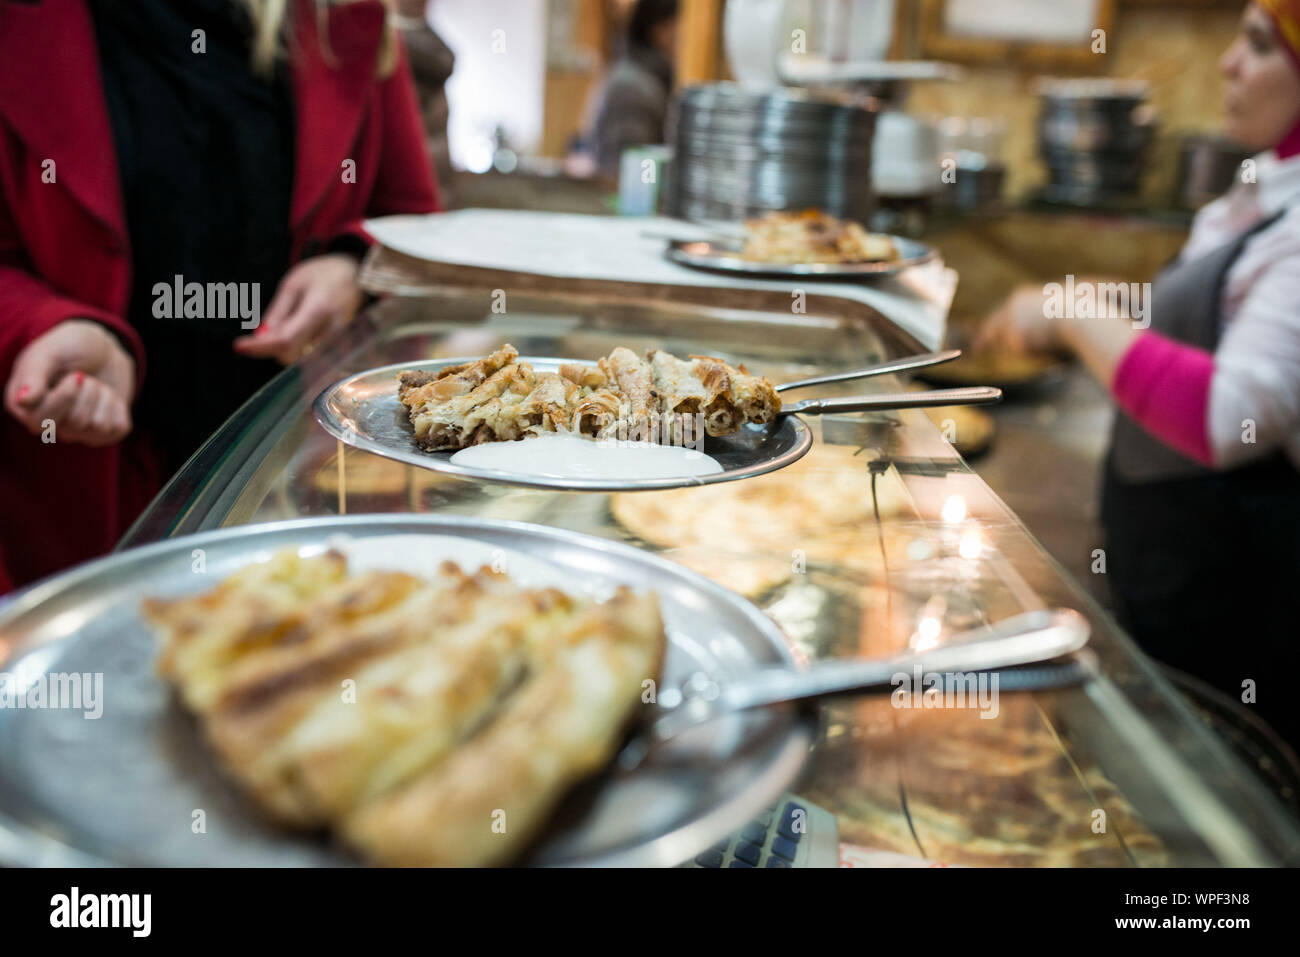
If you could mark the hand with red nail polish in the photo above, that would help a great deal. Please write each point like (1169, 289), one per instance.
(316, 298)
(78, 376)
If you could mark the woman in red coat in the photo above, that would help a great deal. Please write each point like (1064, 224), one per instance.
(182, 185)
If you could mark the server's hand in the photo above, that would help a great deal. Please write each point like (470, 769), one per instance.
(317, 297)
(1020, 325)
(78, 377)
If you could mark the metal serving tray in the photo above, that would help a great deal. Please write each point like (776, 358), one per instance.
(125, 788)
(725, 257)
(363, 411)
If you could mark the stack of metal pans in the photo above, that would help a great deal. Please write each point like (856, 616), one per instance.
(741, 153)
(1093, 137)
(1207, 165)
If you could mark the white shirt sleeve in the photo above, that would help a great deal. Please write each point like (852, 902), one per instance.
(1255, 392)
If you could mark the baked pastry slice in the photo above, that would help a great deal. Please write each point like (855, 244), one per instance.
(489, 798)
(324, 693)
(812, 236)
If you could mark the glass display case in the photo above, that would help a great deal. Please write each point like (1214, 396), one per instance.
(880, 539)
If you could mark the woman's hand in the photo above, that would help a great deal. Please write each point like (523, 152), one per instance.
(1020, 325)
(316, 297)
(78, 376)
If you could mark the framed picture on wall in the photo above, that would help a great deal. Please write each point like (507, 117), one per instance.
(1042, 34)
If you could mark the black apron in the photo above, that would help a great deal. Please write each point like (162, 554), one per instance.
(1204, 565)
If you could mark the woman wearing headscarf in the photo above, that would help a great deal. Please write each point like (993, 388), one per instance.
(1201, 500)
(149, 150)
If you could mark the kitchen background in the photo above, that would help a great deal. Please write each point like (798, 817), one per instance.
(527, 72)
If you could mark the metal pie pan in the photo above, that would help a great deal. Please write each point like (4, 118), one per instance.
(724, 257)
(363, 411)
(124, 788)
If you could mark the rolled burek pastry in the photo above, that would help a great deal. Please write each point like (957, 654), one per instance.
(636, 383)
(439, 400)
(547, 404)
(597, 414)
(560, 414)
(684, 429)
(493, 421)
(455, 423)
(721, 416)
(682, 397)
(584, 376)
(676, 381)
(418, 388)
(755, 397)
(735, 396)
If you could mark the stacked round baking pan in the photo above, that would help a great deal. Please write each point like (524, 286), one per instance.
(741, 153)
(1093, 136)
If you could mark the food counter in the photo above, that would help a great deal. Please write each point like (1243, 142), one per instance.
(880, 538)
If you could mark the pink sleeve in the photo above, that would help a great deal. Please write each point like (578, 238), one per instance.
(1165, 387)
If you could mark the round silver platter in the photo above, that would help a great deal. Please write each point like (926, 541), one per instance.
(725, 257)
(364, 412)
(125, 788)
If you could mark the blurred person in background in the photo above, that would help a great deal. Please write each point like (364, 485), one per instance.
(1201, 499)
(146, 146)
(432, 62)
(631, 106)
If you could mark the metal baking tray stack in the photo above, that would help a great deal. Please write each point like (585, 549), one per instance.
(741, 154)
(1093, 137)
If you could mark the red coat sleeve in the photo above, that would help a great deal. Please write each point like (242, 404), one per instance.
(29, 307)
(405, 181)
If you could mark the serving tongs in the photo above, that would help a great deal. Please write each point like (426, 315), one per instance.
(905, 364)
(1025, 639)
(970, 395)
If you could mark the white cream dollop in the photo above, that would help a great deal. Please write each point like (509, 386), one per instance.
(569, 457)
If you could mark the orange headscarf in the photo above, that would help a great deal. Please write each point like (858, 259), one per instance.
(1286, 14)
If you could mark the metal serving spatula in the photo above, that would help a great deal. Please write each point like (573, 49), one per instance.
(1031, 637)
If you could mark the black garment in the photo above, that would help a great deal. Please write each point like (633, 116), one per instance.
(632, 108)
(1204, 566)
(205, 154)
(1185, 308)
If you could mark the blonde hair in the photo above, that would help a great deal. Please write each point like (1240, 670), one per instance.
(271, 42)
